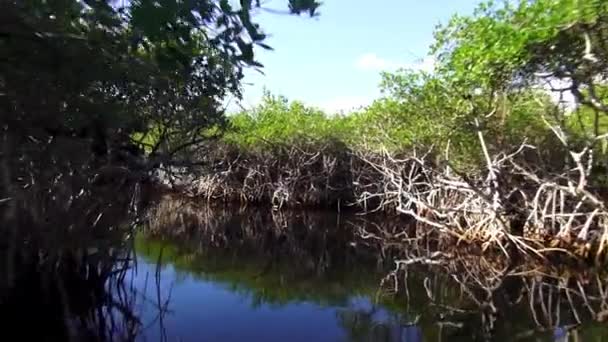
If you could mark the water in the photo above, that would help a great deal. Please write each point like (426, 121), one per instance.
(230, 297)
(317, 286)
(195, 274)
(204, 308)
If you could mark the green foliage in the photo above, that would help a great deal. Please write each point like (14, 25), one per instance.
(124, 69)
(276, 122)
(519, 47)
(503, 44)
(529, 45)
(156, 72)
(583, 123)
(486, 81)
(419, 112)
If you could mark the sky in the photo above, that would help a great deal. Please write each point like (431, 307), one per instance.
(334, 61)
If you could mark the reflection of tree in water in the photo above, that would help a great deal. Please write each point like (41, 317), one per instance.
(68, 292)
(64, 246)
(440, 296)
(468, 297)
(280, 259)
(312, 240)
(73, 298)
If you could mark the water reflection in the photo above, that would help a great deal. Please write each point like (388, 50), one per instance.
(230, 296)
(284, 269)
(65, 250)
(197, 274)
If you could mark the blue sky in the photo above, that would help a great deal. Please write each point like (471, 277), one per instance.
(334, 61)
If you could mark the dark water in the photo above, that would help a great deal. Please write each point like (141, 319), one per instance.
(305, 280)
(194, 274)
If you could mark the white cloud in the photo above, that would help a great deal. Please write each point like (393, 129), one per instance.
(344, 104)
(373, 62)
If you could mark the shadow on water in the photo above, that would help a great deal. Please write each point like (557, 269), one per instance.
(65, 246)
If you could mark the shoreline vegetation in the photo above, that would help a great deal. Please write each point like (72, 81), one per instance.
(523, 198)
(503, 145)
(525, 214)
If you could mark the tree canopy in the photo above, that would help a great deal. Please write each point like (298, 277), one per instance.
(110, 68)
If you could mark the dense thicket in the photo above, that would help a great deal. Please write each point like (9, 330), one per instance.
(83, 84)
(509, 127)
(530, 72)
(504, 141)
(104, 70)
